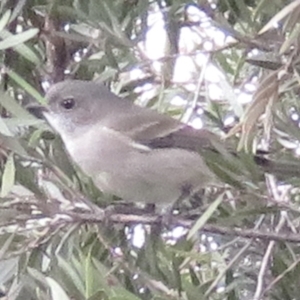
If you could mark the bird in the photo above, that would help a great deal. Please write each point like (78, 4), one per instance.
(136, 153)
(129, 151)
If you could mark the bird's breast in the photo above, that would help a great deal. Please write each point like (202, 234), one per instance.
(100, 149)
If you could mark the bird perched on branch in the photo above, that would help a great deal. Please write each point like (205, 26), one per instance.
(130, 151)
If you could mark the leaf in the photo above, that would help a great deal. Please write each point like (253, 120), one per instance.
(293, 38)
(8, 177)
(22, 49)
(279, 16)
(99, 295)
(68, 268)
(56, 290)
(12, 143)
(5, 246)
(8, 267)
(14, 107)
(17, 39)
(265, 95)
(17, 9)
(205, 217)
(26, 86)
(4, 20)
(4, 129)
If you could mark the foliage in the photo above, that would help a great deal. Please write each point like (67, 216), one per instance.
(237, 240)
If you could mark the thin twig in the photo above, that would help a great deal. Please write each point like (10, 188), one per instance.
(265, 261)
(279, 277)
(156, 219)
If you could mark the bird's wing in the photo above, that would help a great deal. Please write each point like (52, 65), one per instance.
(155, 130)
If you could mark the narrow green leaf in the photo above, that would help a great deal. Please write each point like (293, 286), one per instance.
(280, 15)
(17, 9)
(245, 12)
(13, 106)
(5, 247)
(294, 35)
(68, 268)
(259, 8)
(4, 20)
(4, 128)
(99, 295)
(22, 49)
(89, 274)
(26, 86)
(18, 39)
(56, 290)
(11, 143)
(204, 218)
(9, 267)
(8, 177)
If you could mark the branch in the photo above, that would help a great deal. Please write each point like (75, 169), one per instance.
(176, 221)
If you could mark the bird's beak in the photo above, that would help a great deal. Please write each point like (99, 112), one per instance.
(37, 110)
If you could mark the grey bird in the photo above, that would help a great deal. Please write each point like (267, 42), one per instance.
(138, 154)
(130, 151)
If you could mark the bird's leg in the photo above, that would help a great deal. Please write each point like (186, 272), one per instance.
(167, 212)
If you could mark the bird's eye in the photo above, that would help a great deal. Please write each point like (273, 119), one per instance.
(68, 103)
